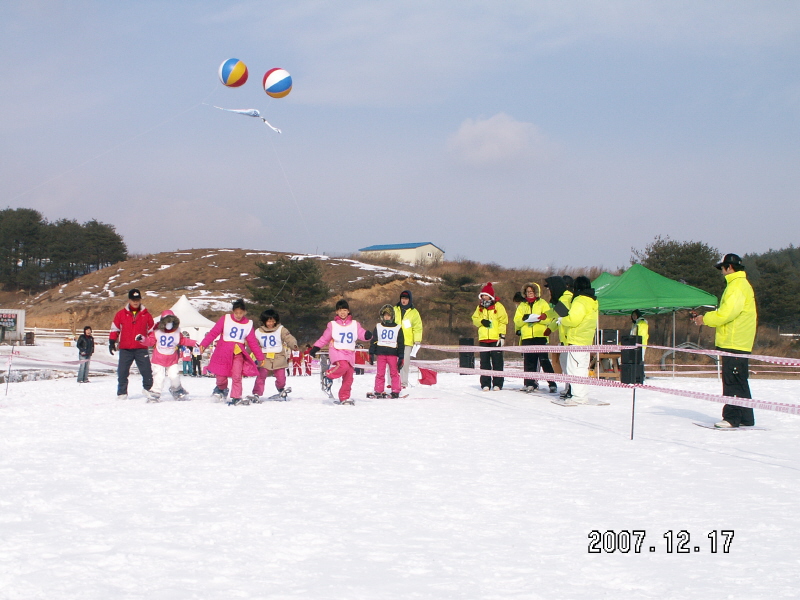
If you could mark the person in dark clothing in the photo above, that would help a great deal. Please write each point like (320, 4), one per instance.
(85, 351)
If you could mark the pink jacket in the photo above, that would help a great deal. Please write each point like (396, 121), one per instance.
(222, 359)
(159, 358)
(335, 353)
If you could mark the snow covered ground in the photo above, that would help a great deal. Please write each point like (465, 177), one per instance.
(450, 493)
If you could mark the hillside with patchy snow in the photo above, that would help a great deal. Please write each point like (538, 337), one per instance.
(210, 278)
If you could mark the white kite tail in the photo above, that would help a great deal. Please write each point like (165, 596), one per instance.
(270, 126)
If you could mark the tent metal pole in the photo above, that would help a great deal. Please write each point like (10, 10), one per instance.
(673, 343)
(633, 411)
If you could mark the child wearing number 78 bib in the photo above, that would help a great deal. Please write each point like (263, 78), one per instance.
(341, 336)
(167, 339)
(230, 357)
(273, 337)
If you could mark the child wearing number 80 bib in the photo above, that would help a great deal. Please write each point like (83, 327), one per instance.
(167, 339)
(230, 357)
(388, 345)
(341, 336)
(273, 338)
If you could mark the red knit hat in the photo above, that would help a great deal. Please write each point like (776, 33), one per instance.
(488, 290)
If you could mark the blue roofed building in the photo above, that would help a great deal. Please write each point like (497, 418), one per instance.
(414, 253)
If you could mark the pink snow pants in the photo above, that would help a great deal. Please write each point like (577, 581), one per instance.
(280, 380)
(387, 360)
(344, 370)
(237, 366)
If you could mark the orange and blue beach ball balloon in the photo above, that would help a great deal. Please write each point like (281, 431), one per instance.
(277, 83)
(233, 72)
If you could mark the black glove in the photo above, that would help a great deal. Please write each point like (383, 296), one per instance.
(486, 323)
(368, 335)
(501, 341)
(139, 338)
(372, 359)
(314, 351)
(399, 363)
(112, 346)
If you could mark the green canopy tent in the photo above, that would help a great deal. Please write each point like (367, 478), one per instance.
(651, 293)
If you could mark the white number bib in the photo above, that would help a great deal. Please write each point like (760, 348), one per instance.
(271, 342)
(167, 343)
(387, 336)
(235, 332)
(345, 336)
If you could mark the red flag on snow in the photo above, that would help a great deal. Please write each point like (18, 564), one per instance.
(427, 377)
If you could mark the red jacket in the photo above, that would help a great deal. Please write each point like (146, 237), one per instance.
(127, 326)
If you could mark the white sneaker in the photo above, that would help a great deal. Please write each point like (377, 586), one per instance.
(122, 397)
(497, 388)
(723, 424)
(486, 388)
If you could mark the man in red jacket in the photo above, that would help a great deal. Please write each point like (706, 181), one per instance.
(129, 331)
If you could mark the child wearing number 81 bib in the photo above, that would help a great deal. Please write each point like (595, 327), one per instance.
(388, 345)
(273, 338)
(230, 358)
(167, 339)
(341, 336)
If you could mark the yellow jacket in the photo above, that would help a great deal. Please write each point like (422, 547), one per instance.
(498, 318)
(411, 323)
(531, 330)
(581, 321)
(641, 328)
(736, 317)
(563, 330)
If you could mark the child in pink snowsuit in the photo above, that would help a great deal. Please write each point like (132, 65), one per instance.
(341, 336)
(230, 358)
(167, 339)
(389, 346)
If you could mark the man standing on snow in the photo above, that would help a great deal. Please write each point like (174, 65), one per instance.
(129, 331)
(581, 321)
(736, 321)
(408, 317)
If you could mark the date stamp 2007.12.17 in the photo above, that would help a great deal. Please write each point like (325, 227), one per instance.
(625, 541)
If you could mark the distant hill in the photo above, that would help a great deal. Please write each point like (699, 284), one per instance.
(211, 278)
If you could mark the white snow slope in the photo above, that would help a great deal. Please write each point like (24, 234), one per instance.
(450, 493)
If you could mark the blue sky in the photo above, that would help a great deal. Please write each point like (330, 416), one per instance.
(524, 133)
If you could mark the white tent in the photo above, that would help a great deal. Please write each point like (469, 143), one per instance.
(192, 322)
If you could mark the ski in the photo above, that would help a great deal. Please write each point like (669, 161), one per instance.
(740, 428)
(340, 402)
(561, 402)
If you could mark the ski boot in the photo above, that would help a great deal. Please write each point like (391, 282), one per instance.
(179, 393)
(254, 399)
(553, 388)
(376, 395)
(151, 396)
(282, 395)
(219, 395)
(239, 402)
(395, 395)
(327, 384)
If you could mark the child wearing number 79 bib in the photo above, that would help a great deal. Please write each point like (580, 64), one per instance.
(167, 339)
(341, 336)
(230, 358)
(273, 337)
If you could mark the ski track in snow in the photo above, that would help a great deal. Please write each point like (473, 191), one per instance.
(451, 493)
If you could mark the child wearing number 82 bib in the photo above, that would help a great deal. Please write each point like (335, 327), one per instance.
(273, 337)
(231, 359)
(341, 336)
(167, 339)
